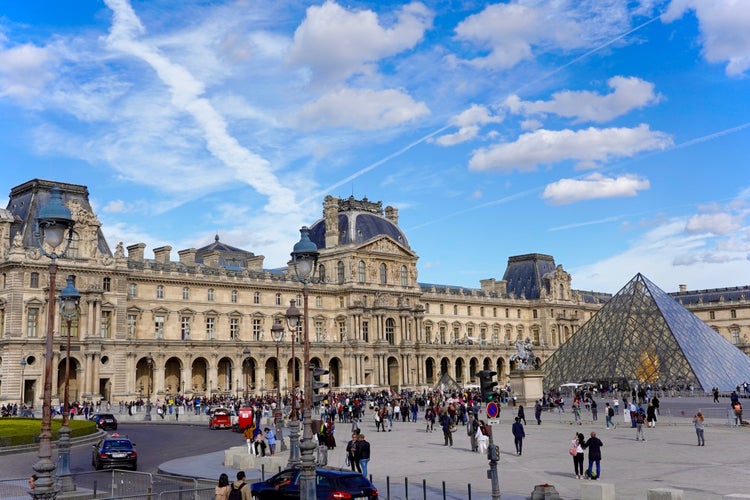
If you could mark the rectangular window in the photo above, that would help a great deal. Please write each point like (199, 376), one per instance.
(319, 331)
(132, 323)
(256, 298)
(185, 327)
(210, 328)
(278, 299)
(342, 331)
(518, 313)
(318, 301)
(68, 332)
(711, 315)
(257, 329)
(468, 310)
(534, 314)
(234, 296)
(507, 312)
(32, 322)
(107, 284)
(34, 281)
(366, 331)
(234, 328)
(426, 308)
(733, 313)
(160, 291)
(132, 290)
(210, 296)
(159, 327)
(442, 309)
(105, 328)
(185, 293)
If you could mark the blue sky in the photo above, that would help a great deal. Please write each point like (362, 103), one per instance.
(611, 134)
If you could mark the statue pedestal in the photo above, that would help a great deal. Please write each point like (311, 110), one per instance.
(527, 386)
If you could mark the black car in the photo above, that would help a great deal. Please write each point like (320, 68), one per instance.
(331, 483)
(105, 421)
(114, 452)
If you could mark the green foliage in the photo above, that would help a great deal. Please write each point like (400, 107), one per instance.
(16, 431)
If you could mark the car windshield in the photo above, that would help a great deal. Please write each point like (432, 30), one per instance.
(117, 445)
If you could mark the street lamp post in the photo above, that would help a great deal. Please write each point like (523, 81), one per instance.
(305, 262)
(23, 383)
(293, 317)
(69, 298)
(150, 362)
(277, 332)
(52, 223)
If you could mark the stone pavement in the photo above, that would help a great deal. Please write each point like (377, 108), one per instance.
(670, 457)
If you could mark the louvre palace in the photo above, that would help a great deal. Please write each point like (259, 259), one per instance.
(197, 321)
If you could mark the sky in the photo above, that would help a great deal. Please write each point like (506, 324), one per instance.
(610, 134)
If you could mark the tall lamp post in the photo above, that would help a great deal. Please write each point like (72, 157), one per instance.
(293, 317)
(277, 332)
(305, 262)
(150, 362)
(52, 223)
(69, 298)
(23, 383)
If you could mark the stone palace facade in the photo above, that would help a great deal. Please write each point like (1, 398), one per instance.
(203, 317)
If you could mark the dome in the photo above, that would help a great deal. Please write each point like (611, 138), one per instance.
(358, 221)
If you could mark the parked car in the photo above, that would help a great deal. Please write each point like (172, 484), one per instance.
(219, 418)
(331, 483)
(105, 421)
(114, 452)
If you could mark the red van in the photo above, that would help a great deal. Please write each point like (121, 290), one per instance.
(219, 418)
(244, 419)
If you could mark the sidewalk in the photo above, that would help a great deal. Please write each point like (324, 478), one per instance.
(670, 458)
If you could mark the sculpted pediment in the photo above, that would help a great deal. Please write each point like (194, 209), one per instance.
(386, 244)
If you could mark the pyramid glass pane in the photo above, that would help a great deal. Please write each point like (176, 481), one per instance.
(643, 336)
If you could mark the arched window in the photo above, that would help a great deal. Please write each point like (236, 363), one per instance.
(404, 276)
(340, 273)
(318, 301)
(210, 296)
(390, 328)
(361, 271)
(322, 273)
(383, 274)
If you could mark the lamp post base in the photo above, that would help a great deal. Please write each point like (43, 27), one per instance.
(63, 460)
(294, 455)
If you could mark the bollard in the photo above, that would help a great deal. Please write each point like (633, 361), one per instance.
(387, 487)
(469, 486)
(444, 490)
(406, 488)
(424, 489)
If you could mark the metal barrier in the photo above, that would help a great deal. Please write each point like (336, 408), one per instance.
(16, 488)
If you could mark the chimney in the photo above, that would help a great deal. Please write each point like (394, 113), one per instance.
(683, 288)
(331, 216)
(391, 213)
(161, 254)
(135, 252)
(187, 257)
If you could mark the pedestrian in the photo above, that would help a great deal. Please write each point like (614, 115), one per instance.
(737, 407)
(609, 412)
(576, 451)
(698, 423)
(594, 445)
(363, 451)
(633, 414)
(640, 418)
(594, 410)
(352, 456)
(518, 435)
(221, 491)
(651, 415)
(538, 412)
(716, 394)
(429, 416)
(241, 486)
(446, 423)
(471, 430)
(576, 408)
(249, 435)
(521, 414)
(482, 437)
(32, 481)
(271, 438)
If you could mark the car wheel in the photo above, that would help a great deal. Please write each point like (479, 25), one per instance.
(98, 466)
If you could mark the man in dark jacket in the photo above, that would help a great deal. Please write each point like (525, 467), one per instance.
(518, 435)
(363, 452)
(594, 445)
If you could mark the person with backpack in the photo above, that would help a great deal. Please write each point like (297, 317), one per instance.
(239, 488)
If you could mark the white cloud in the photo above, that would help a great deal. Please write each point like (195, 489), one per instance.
(724, 30)
(587, 147)
(24, 71)
(715, 223)
(593, 186)
(468, 123)
(628, 93)
(362, 109)
(115, 206)
(336, 43)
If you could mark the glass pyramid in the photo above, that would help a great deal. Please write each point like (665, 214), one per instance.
(643, 336)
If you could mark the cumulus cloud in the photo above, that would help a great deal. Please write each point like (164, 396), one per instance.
(588, 147)
(362, 109)
(715, 223)
(468, 123)
(628, 93)
(593, 186)
(24, 71)
(336, 43)
(724, 30)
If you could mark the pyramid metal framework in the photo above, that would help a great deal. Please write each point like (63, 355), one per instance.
(643, 336)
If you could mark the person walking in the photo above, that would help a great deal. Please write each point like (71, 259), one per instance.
(271, 438)
(594, 445)
(446, 423)
(221, 491)
(651, 415)
(471, 430)
(363, 451)
(521, 414)
(429, 416)
(538, 412)
(640, 418)
(518, 435)
(576, 445)
(698, 423)
(241, 485)
(594, 410)
(737, 407)
(352, 455)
